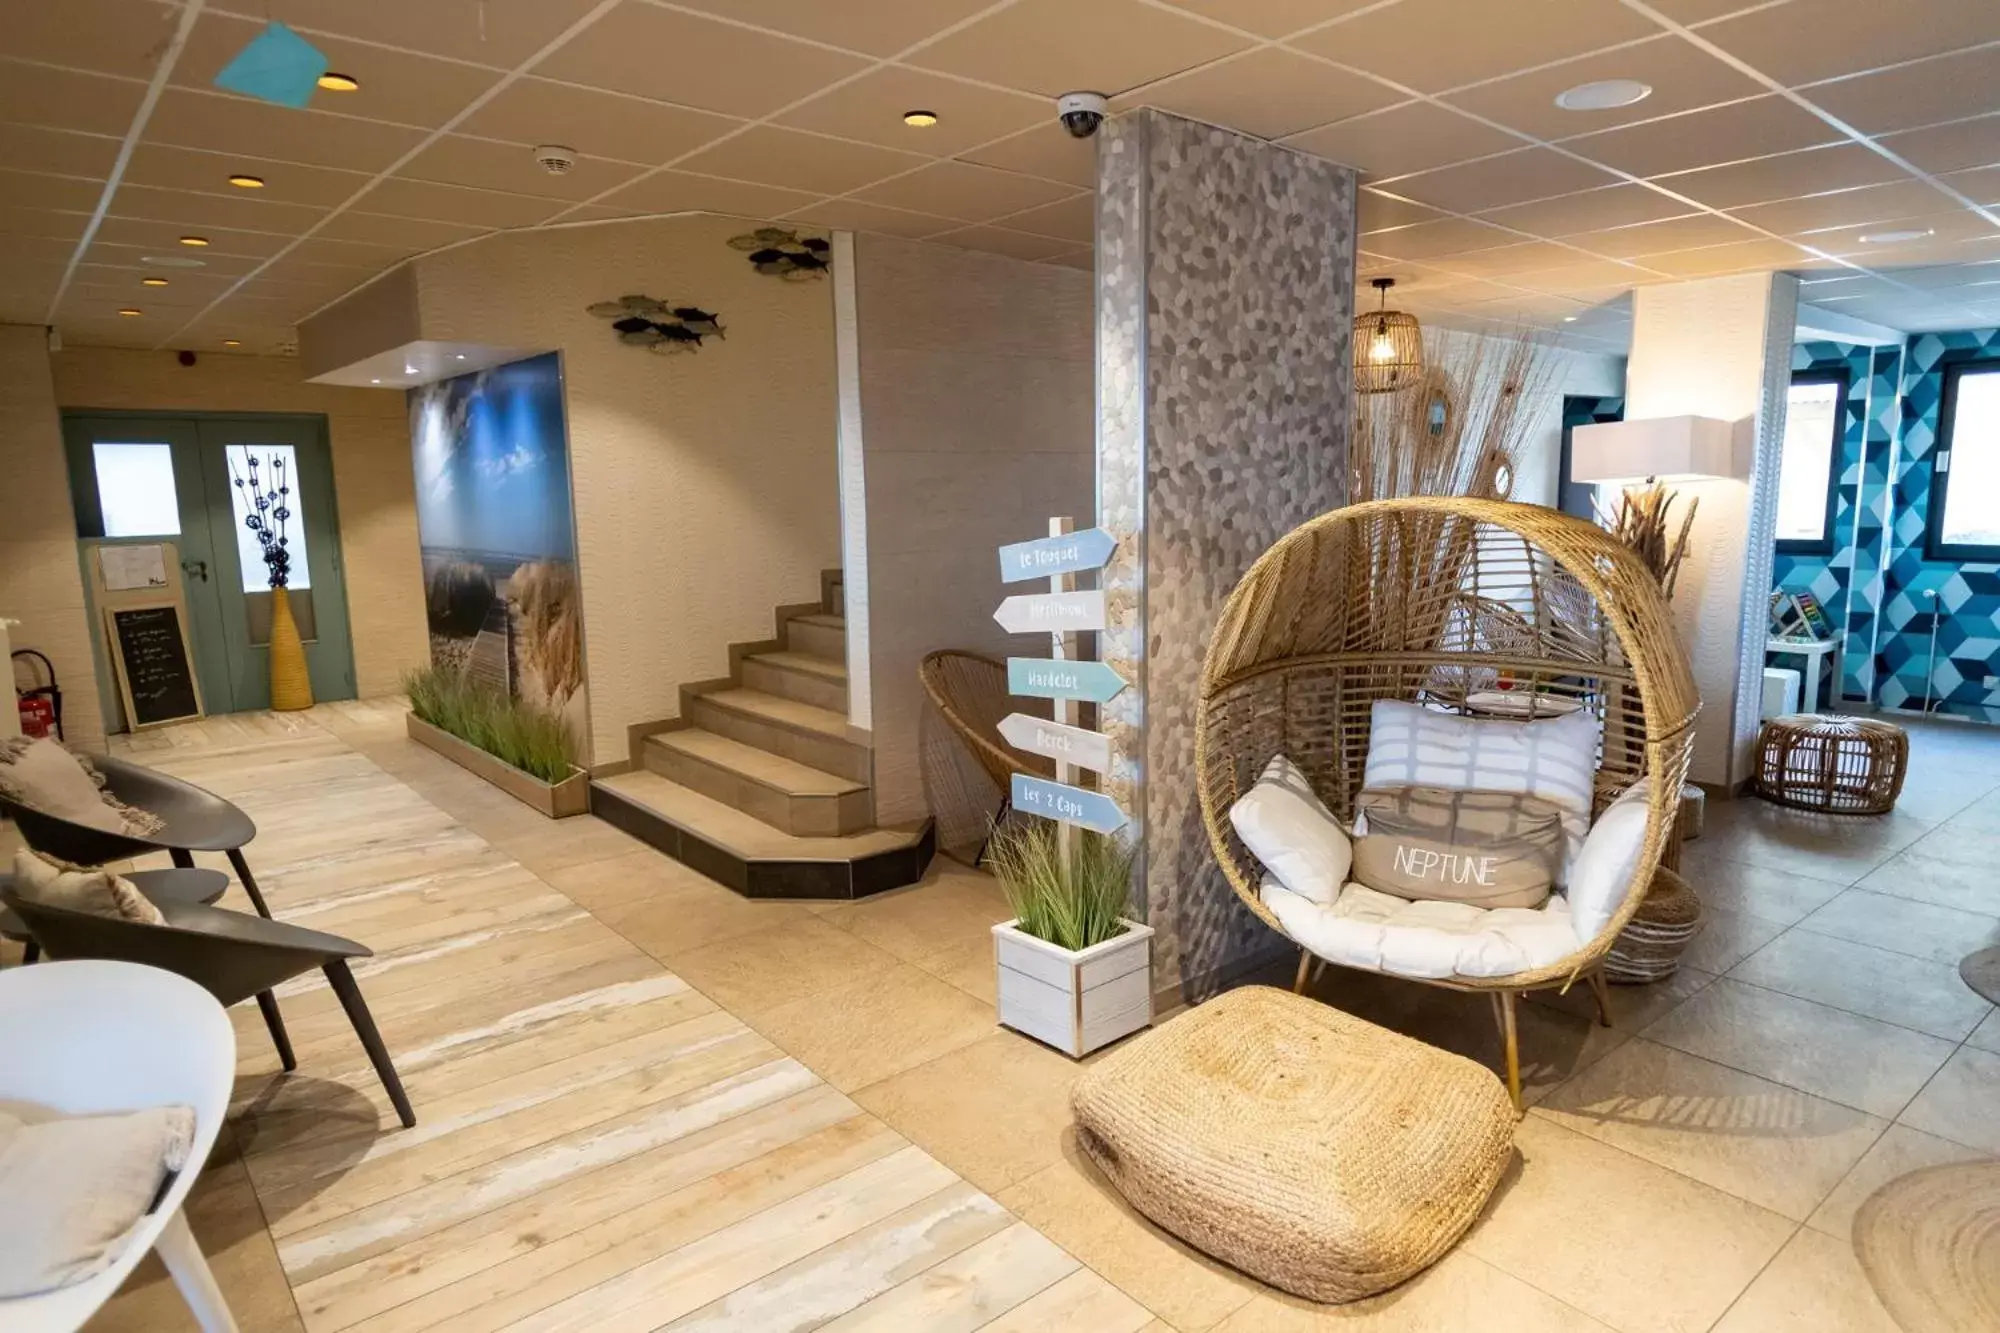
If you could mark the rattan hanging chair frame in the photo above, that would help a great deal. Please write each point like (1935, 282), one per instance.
(1457, 603)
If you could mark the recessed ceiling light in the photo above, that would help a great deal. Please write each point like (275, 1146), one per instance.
(152, 282)
(1569, 319)
(131, 310)
(245, 181)
(1898, 237)
(232, 342)
(409, 370)
(920, 119)
(1603, 95)
(374, 381)
(194, 240)
(458, 356)
(335, 82)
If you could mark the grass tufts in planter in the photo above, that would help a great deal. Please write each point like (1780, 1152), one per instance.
(1071, 909)
(528, 738)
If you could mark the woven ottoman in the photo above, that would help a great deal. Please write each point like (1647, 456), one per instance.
(1322, 1154)
(1834, 764)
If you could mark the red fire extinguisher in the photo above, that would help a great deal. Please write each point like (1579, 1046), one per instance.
(40, 705)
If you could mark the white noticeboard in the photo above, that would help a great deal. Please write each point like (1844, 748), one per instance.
(128, 567)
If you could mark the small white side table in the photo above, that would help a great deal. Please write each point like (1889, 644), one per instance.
(1814, 652)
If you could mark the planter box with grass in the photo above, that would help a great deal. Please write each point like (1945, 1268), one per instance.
(557, 800)
(523, 750)
(1075, 1000)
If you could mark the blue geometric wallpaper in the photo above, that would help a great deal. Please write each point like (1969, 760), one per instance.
(1830, 577)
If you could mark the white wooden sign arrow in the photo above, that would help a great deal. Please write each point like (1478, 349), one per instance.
(1051, 612)
(1070, 745)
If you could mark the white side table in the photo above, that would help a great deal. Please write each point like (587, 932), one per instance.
(1814, 652)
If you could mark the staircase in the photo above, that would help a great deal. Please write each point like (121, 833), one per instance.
(759, 784)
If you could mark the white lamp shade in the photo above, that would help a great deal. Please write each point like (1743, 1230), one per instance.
(1665, 447)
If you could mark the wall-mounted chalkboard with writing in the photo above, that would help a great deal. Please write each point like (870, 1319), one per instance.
(155, 668)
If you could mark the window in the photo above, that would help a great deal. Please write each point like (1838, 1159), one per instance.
(1815, 411)
(135, 489)
(1965, 466)
(256, 578)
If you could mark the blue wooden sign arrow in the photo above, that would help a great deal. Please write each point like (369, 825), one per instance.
(1071, 805)
(1046, 678)
(1051, 556)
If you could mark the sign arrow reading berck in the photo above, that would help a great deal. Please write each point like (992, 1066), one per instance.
(1051, 612)
(1071, 805)
(1071, 745)
(1045, 678)
(1047, 557)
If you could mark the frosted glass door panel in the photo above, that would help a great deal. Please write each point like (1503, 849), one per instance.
(135, 489)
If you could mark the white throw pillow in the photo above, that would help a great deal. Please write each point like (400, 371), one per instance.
(1293, 833)
(1603, 868)
(1554, 758)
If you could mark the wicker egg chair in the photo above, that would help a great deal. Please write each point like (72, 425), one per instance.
(1459, 604)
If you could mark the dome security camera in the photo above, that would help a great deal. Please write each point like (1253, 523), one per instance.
(1081, 113)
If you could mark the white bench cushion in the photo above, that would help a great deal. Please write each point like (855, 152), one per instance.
(1382, 933)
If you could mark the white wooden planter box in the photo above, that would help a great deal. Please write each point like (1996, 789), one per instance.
(1075, 1002)
(557, 800)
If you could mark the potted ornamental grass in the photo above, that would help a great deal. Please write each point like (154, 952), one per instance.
(523, 750)
(1074, 971)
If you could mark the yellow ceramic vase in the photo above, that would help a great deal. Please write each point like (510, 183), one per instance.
(291, 685)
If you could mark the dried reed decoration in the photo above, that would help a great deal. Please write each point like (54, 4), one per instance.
(1458, 427)
(1643, 521)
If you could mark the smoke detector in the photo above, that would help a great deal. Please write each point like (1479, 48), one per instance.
(555, 158)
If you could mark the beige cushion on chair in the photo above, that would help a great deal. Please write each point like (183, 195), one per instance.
(42, 775)
(81, 889)
(1489, 849)
(1323, 1154)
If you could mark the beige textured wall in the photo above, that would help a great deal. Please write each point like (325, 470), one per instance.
(977, 425)
(704, 483)
(41, 583)
(369, 435)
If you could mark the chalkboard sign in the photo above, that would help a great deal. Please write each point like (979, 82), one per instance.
(154, 668)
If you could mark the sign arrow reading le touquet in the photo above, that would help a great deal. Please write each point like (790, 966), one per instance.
(1048, 557)
(1072, 745)
(1071, 805)
(1051, 612)
(1044, 678)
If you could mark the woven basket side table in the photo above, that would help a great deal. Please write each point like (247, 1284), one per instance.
(1836, 765)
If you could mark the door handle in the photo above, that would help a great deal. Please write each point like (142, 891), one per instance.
(195, 569)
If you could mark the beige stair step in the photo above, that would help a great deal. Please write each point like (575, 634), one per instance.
(802, 732)
(752, 857)
(819, 681)
(792, 797)
(818, 635)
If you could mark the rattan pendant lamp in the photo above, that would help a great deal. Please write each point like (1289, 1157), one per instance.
(1388, 346)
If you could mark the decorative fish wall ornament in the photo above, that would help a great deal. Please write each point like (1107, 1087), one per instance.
(645, 321)
(780, 253)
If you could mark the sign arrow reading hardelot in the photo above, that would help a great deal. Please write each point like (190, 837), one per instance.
(1051, 612)
(1046, 678)
(1071, 745)
(1049, 557)
(1071, 805)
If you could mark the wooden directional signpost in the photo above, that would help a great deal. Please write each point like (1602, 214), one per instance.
(1061, 613)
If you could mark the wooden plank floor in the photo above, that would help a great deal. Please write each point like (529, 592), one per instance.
(599, 1145)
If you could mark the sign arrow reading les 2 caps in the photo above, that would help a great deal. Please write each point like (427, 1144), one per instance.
(1050, 679)
(1071, 805)
(1048, 557)
(1072, 745)
(1051, 612)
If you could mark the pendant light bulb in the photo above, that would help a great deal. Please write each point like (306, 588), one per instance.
(1383, 348)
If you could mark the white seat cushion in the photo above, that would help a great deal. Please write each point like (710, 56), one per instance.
(1602, 873)
(1297, 838)
(1429, 939)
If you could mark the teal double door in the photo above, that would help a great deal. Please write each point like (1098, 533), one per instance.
(151, 478)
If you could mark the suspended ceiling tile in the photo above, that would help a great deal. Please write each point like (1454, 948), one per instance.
(1948, 280)
(1981, 185)
(767, 155)
(454, 159)
(1654, 238)
(1495, 182)
(195, 284)
(1950, 87)
(1946, 231)
(173, 168)
(42, 222)
(679, 191)
(1530, 308)
(400, 196)
(67, 99)
(40, 250)
(132, 254)
(1588, 210)
(33, 190)
(1268, 92)
(379, 229)
(1272, 18)
(57, 152)
(967, 192)
(372, 258)
(1507, 260)
(1047, 150)
(1586, 275)
(1735, 257)
(226, 124)
(877, 27)
(1436, 289)
(1432, 45)
(1085, 259)
(1057, 46)
(596, 124)
(1447, 236)
(1072, 219)
(396, 85)
(1939, 148)
(1000, 241)
(1416, 136)
(855, 215)
(188, 209)
(163, 238)
(109, 36)
(1846, 208)
(871, 109)
(1785, 176)
(1756, 128)
(499, 33)
(84, 295)
(698, 62)
(1681, 75)
(1809, 40)
(1379, 211)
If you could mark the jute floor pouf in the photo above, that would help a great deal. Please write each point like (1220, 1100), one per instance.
(1322, 1154)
